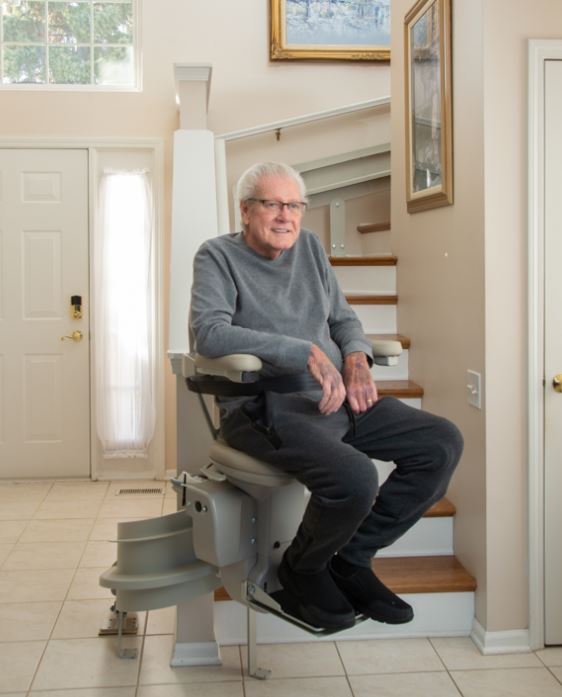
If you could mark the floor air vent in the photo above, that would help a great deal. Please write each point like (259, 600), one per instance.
(143, 492)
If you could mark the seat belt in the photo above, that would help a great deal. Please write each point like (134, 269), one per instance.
(221, 387)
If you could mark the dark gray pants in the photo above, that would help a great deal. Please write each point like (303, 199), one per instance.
(331, 455)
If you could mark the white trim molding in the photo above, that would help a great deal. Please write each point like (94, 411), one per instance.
(540, 50)
(493, 643)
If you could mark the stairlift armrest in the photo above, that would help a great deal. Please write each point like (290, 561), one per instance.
(242, 367)
(237, 367)
(386, 352)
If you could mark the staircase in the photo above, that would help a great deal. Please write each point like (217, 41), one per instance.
(421, 566)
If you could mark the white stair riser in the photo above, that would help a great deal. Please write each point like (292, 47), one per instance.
(435, 614)
(429, 537)
(376, 319)
(366, 279)
(393, 372)
(413, 402)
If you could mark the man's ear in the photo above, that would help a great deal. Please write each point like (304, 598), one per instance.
(244, 212)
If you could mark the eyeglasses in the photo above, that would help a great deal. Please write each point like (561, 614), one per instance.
(293, 207)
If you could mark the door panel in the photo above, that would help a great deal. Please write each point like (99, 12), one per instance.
(44, 260)
(553, 352)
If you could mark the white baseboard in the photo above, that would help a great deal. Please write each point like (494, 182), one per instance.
(489, 643)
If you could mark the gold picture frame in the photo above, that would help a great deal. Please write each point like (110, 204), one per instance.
(302, 31)
(428, 105)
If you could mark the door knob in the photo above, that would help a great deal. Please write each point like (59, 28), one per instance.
(557, 382)
(75, 336)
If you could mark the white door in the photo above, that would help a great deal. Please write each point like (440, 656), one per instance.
(553, 352)
(44, 382)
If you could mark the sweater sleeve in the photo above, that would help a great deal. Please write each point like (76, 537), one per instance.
(213, 304)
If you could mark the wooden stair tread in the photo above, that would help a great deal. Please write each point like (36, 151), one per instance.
(371, 299)
(424, 574)
(414, 575)
(373, 260)
(399, 388)
(404, 340)
(442, 509)
(373, 227)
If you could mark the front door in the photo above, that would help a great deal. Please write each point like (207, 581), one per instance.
(44, 262)
(553, 351)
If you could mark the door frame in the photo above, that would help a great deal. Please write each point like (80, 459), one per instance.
(92, 145)
(539, 51)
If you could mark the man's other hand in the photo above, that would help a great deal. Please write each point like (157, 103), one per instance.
(325, 372)
(360, 387)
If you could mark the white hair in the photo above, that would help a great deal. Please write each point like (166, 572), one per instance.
(248, 183)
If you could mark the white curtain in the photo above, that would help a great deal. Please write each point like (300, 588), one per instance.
(124, 315)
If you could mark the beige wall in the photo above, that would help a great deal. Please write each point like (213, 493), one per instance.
(441, 276)
(507, 27)
(462, 286)
(246, 90)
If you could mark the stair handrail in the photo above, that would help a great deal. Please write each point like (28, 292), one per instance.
(278, 126)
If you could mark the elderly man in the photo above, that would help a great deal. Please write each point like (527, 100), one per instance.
(270, 291)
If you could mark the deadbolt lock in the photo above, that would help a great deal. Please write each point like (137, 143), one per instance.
(75, 336)
(557, 382)
(76, 306)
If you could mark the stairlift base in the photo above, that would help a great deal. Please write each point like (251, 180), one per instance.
(120, 624)
(130, 624)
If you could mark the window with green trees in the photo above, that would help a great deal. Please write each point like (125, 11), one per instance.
(57, 42)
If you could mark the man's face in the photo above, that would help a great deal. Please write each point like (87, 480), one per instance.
(270, 232)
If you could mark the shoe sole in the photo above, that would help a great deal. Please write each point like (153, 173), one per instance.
(383, 620)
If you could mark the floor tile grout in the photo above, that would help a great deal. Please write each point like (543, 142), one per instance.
(143, 627)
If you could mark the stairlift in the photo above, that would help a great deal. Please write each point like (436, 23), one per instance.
(236, 517)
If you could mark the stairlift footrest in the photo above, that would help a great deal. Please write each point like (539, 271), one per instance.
(275, 604)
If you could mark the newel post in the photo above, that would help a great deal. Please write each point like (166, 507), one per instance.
(194, 218)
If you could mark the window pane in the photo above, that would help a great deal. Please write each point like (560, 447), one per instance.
(25, 22)
(24, 64)
(113, 23)
(113, 66)
(69, 65)
(68, 42)
(69, 22)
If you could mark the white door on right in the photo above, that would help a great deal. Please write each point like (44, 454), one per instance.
(553, 352)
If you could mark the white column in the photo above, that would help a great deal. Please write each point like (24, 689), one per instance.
(194, 219)
(193, 84)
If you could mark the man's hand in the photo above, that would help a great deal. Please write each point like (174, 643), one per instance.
(325, 372)
(359, 384)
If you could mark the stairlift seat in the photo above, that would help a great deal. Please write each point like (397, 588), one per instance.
(242, 467)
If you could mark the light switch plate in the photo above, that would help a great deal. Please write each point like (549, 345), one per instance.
(473, 389)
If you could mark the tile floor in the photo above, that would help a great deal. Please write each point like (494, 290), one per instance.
(54, 542)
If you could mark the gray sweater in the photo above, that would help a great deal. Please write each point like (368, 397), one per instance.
(242, 302)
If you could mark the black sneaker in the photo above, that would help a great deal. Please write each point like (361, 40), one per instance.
(368, 594)
(317, 598)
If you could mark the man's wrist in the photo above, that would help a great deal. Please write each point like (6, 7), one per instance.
(356, 357)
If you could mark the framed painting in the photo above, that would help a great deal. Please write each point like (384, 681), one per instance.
(356, 30)
(428, 101)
